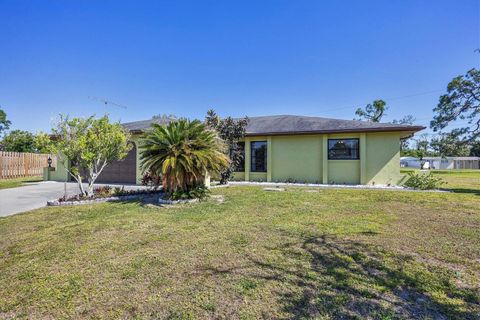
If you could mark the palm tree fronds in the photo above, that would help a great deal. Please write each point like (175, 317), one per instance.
(182, 152)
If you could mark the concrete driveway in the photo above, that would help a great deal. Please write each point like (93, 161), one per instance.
(35, 195)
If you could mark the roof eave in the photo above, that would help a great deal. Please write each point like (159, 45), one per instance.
(411, 129)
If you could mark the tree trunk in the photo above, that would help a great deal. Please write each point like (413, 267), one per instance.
(90, 189)
(80, 184)
(91, 179)
(93, 174)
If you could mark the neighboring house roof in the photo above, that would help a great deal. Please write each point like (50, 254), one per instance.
(451, 158)
(409, 159)
(290, 124)
(466, 158)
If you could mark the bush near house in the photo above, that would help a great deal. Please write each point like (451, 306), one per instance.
(151, 180)
(456, 180)
(423, 181)
(231, 131)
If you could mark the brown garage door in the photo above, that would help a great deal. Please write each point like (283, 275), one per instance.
(123, 171)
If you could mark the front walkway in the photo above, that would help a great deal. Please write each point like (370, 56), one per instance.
(35, 195)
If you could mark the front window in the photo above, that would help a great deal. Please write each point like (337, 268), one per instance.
(343, 149)
(259, 156)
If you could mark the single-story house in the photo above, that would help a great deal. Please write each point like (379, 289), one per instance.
(410, 162)
(438, 162)
(297, 149)
(466, 163)
(453, 162)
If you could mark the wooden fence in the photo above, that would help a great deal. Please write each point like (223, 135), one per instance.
(22, 164)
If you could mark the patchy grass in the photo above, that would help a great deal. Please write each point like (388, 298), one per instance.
(461, 181)
(333, 254)
(13, 183)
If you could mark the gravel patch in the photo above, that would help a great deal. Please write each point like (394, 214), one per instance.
(284, 184)
(326, 186)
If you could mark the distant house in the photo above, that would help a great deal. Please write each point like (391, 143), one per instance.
(297, 148)
(446, 163)
(410, 162)
(441, 163)
(467, 163)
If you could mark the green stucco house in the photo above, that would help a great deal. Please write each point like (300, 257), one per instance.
(288, 148)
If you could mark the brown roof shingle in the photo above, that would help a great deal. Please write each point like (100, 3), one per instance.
(291, 124)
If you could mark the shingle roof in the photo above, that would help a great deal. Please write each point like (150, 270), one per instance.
(290, 124)
(142, 125)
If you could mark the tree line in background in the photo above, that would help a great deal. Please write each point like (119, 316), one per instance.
(19, 140)
(461, 102)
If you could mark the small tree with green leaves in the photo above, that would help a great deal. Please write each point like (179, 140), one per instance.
(231, 131)
(89, 145)
(372, 112)
(42, 142)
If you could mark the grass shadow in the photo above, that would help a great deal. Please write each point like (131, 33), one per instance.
(344, 279)
(463, 190)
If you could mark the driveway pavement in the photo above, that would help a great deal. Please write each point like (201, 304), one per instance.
(35, 195)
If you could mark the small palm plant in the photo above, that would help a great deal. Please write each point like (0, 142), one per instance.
(182, 153)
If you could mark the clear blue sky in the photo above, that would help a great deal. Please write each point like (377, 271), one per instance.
(251, 58)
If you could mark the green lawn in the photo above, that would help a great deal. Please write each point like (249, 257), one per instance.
(13, 183)
(464, 181)
(302, 253)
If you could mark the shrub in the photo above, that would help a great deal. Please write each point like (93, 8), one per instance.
(151, 180)
(231, 131)
(198, 192)
(109, 191)
(103, 191)
(423, 181)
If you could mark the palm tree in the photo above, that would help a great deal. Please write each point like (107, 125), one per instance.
(182, 153)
